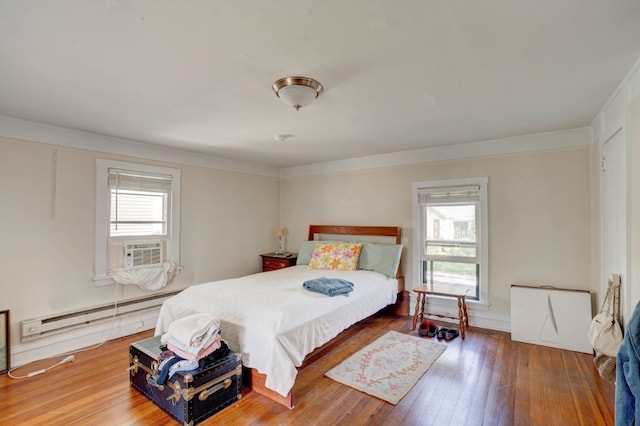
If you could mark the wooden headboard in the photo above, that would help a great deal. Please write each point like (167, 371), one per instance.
(375, 231)
(378, 231)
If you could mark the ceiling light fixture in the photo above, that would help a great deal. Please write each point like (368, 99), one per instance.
(297, 91)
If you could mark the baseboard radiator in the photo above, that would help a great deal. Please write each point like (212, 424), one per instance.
(40, 327)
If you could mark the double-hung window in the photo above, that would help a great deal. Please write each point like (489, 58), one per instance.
(139, 204)
(137, 216)
(451, 235)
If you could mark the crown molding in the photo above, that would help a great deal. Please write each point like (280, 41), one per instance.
(518, 144)
(53, 135)
(613, 115)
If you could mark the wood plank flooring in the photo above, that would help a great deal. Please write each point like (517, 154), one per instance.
(484, 380)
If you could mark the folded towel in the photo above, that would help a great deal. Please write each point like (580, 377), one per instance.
(195, 357)
(329, 286)
(196, 349)
(192, 329)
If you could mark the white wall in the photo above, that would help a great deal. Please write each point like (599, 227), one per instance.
(539, 213)
(47, 242)
(633, 290)
(620, 116)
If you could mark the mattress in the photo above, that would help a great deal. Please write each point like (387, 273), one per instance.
(274, 322)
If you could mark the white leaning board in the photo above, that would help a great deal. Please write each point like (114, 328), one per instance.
(551, 317)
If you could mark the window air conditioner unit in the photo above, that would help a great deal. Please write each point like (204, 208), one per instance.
(137, 255)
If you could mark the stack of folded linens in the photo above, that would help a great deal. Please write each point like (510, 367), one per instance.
(193, 337)
(190, 343)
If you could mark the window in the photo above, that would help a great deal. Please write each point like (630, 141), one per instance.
(139, 203)
(137, 216)
(450, 225)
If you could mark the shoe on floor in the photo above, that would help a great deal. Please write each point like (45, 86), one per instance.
(442, 332)
(428, 328)
(451, 333)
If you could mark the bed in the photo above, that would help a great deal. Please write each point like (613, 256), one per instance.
(275, 323)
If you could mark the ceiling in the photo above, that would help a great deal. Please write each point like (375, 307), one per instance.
(397, 75)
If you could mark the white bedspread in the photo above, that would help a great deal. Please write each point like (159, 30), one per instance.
(274, 322)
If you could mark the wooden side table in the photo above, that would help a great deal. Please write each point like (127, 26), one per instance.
(424, 289)
(273, 261)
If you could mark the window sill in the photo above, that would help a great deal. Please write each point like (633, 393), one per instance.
(103, 280)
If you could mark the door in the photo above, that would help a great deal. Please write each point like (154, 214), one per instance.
(614, 218)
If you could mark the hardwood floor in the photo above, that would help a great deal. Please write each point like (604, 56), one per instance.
(484, 380)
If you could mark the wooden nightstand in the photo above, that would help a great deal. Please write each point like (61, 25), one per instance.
(272, 261)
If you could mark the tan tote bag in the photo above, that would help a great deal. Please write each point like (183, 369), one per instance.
(605, 333)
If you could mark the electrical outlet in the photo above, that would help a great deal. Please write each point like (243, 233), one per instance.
(140, 324)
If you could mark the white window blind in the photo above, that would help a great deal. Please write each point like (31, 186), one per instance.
(449, 195)
(139, 203)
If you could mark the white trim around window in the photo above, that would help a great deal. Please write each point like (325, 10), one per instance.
(101, 259)
(419, 187)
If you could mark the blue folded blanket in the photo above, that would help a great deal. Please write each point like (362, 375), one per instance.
(329, 286)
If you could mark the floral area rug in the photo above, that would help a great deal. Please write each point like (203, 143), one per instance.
(389, 367)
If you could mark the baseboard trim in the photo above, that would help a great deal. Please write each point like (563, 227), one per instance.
(125, 325)
(478, 316)
(83, 338)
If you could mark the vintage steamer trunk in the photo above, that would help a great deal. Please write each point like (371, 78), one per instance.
(190, 397)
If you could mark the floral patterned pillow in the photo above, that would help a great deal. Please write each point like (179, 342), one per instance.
(338, 256)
